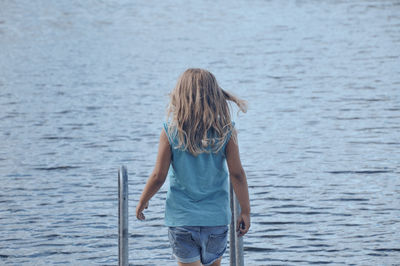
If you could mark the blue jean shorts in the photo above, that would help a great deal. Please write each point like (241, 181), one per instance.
(193, 243)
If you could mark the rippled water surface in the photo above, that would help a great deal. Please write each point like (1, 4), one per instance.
(83, 90)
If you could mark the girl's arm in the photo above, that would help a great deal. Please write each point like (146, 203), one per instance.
(157, 177)
(239, 183)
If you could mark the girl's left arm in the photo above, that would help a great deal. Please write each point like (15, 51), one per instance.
(157, 177)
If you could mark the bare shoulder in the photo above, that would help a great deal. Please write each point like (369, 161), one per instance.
(164, 137)
(232, 143)
(233, 157)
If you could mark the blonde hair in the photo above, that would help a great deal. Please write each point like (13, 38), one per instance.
(198, 106)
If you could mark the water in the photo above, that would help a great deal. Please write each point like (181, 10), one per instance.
(83, 90)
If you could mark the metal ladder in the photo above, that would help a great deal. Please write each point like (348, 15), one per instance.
(235, 242)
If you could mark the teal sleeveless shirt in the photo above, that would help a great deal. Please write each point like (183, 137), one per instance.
(198, 193)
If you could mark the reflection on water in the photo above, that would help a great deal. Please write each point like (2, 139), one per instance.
(84, 86)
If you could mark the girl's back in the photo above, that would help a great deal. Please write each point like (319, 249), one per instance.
(198, 188)
(196, 146)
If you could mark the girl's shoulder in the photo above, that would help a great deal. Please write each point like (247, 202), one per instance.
(170, 132)
(169, 129)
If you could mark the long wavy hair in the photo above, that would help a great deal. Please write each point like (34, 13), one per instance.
(199, 113)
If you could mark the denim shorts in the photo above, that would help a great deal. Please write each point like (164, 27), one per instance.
(193, 243)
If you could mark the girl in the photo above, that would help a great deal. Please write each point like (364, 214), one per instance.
(198, 142)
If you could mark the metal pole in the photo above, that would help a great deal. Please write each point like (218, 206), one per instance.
(232, 229)
(123, 257)
(235, 242)
(238, 240)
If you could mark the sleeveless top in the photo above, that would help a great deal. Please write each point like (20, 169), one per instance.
(198, 193)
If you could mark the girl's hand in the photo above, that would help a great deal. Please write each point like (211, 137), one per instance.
(243, 224)
(139, 210)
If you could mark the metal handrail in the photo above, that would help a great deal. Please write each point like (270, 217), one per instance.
(123, 254)
(235, 242)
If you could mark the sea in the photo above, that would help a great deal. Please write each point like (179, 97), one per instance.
(84, 87)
